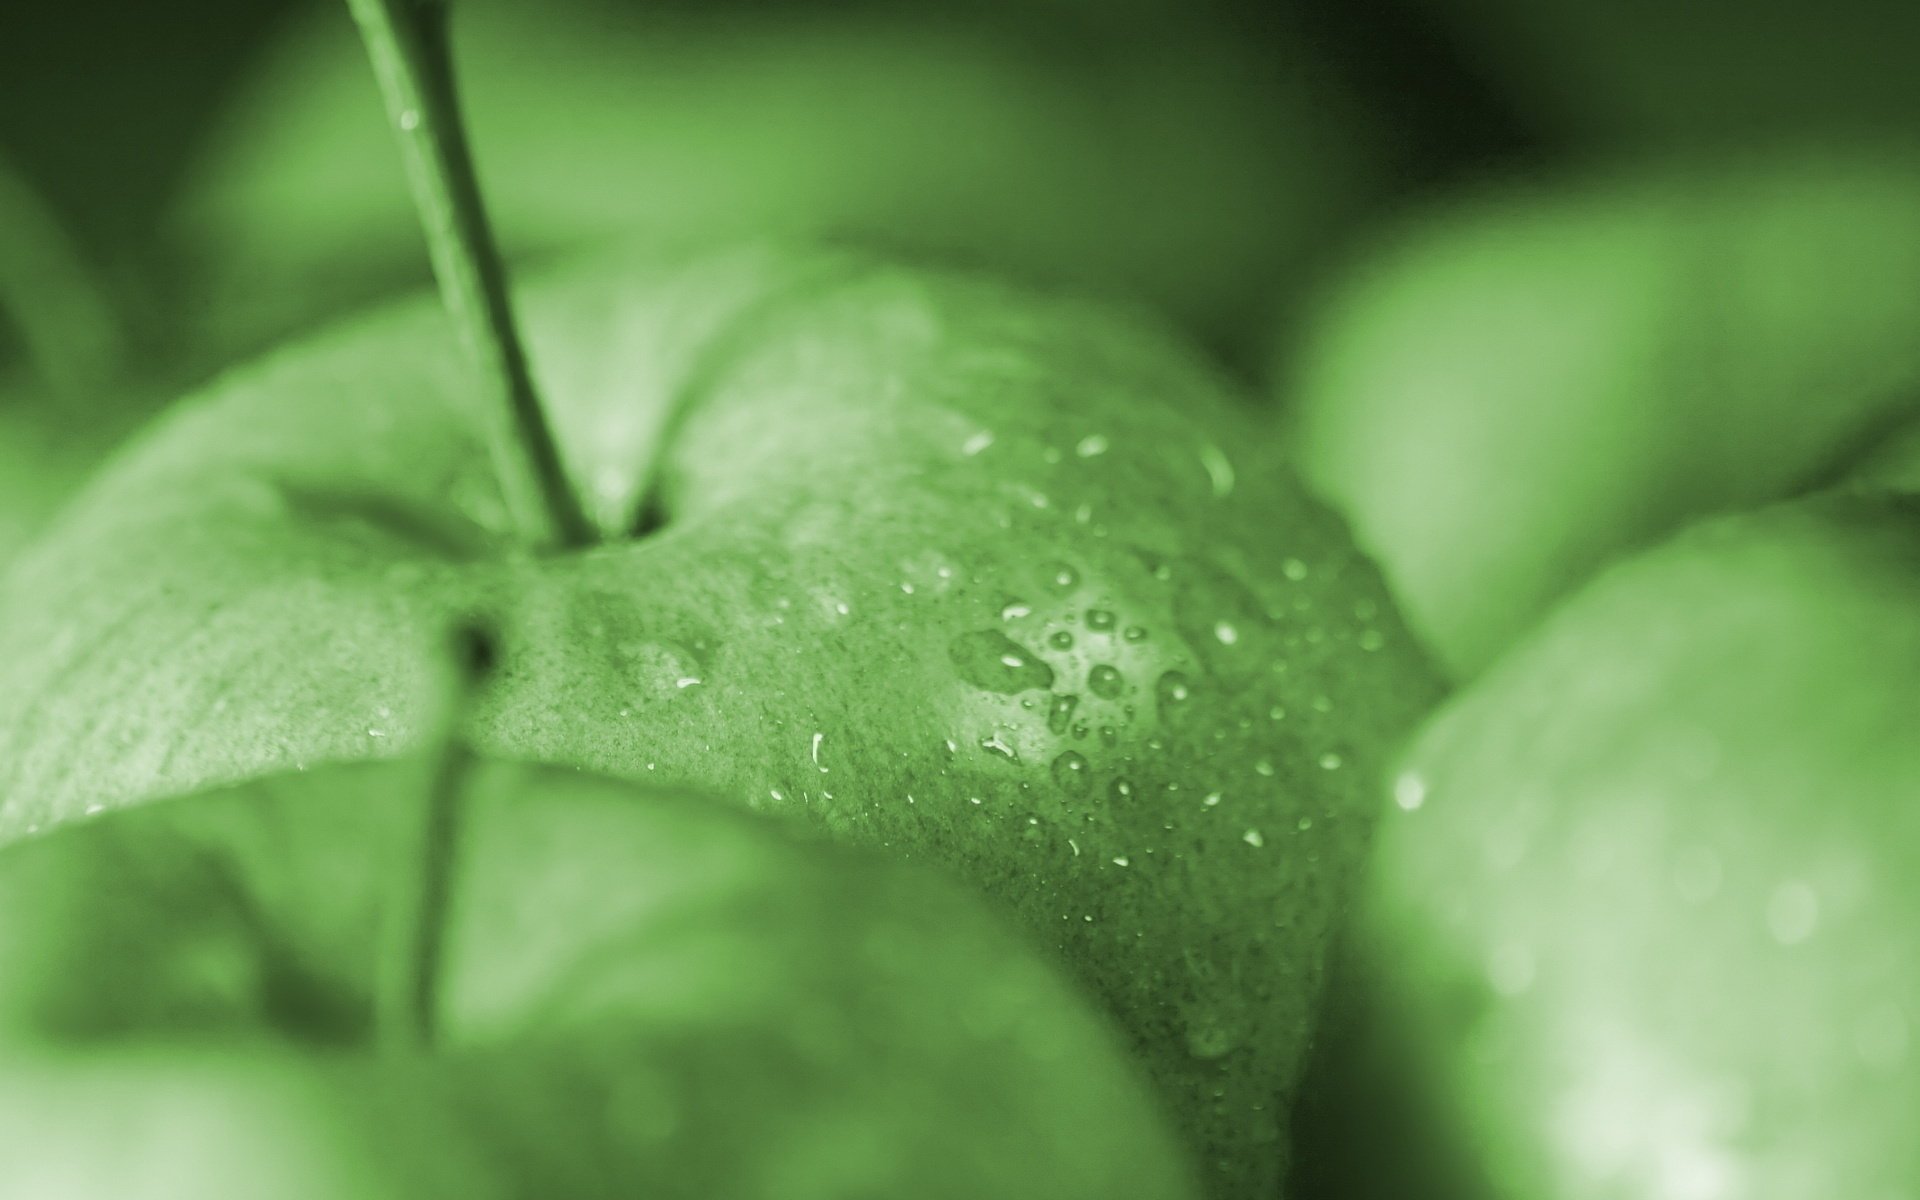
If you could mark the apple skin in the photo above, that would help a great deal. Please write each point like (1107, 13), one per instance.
(1649, 921)
(1532, 381)
(1006, 584)
(644, 993)
(1175, 166)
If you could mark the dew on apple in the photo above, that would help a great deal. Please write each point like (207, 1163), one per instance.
(1122, 861)
(1120, 789)
(1100, 620)
(1105, 681)
(1109, 736)
(1330, 761)
(991, 661)
(1073, 773)
(1060, 639)
(1135, 633)
(1013, 610)
(1060, 711)
(1208, 1037)
(1252, 837)
(1219, 469)
(1409, 790)
(975, 444)
(1294, 569)
(1226, 633)
(1091, 446)
(1062, 576)
(1173, 690)
(1303, 824)
(1212, 799)
(1263, 767)
(998, 746)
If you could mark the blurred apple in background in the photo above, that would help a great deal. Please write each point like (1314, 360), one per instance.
(1527, 383)
(1189, 170)
(1645, 909)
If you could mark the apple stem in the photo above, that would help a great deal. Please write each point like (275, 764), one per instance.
(407, 999)
(408, 43)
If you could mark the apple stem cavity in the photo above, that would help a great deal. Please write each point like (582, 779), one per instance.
(407, 999)
(412, 57)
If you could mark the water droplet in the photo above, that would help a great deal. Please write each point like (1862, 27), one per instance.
(1226, 633)
(1252, 838)
(975, 444)
(777, 794)
(1122, 861)
(1219, 469)
(998, 745)
(1303, 824)
(409, 119)
(1060, 639)
(1212, 800)
(1330, 761)
(1074, 846)
(1209, 1038)
(1081, 729)
(1372, 639)
(1100, 620)
(1073, 773)
(1135, 633)
(1105, 682)
(1120, 789)
(1410, 791)
(817, 739)
(1172, 691)
(1277, 713)
(1013, 610)
(1793, 912)
(1294, 569)
(687, 681)
(1062, 577)
(1323, 704)
(1060, 712)
(1109, 736)
(1263, 767)
(1091, 446)
(992, 662)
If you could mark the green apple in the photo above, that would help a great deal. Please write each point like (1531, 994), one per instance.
(1528, 384)
(1646, 903)
(641, 993)
(1009, 584)
(1181, 170)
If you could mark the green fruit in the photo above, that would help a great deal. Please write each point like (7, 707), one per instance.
(642, 994)
(1649, 905)
(1006, 584)
(1529, 385)
(1179, 170)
